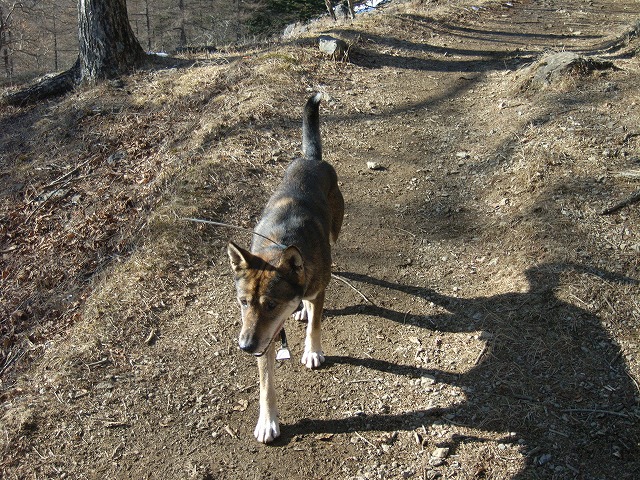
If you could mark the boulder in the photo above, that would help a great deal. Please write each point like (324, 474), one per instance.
(333, 47)
(555, 66)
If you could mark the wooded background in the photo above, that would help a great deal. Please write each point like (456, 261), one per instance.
(41, 36)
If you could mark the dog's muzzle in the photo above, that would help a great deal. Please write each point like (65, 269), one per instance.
(248, 345)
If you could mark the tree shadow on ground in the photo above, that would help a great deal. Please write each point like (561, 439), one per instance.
(494, 35)
(448, 59)
(549, 371)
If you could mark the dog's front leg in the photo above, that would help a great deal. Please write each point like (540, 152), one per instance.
(313, 355)
(267, 428)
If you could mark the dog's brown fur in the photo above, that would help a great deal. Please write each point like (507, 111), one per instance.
(289, 262)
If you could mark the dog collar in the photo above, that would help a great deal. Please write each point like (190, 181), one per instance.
(283, 353)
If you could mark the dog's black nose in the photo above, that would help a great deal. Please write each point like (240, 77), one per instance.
(248, 344)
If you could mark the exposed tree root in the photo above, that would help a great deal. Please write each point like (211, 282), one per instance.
(635, 198)
(45, 88)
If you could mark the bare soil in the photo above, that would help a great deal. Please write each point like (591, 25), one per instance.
(501, 339)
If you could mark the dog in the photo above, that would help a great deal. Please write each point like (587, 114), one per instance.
(289, 263)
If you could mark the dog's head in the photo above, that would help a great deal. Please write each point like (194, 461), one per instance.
(269, 290)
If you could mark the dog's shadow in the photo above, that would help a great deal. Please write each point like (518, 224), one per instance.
(550, 373)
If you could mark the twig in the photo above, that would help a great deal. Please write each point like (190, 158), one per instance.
(231, 433)
(635, 198)
(115, 424)
(346, 282)
(364, 439)
(633, 379)
(60, 179)
(629, 136)
(39, 454)
(457, 424)
(70, 172)
(481, 354)
(406, 231)
(366, 380)
(97, 363)
(228, 225)
(11, 358)
(610, 306)
(595, 410)
(579, 299)
(248, 387)
(44, 202)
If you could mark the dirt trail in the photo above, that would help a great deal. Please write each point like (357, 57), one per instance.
(503, 342)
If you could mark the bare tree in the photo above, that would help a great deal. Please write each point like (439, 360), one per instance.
(5, 39)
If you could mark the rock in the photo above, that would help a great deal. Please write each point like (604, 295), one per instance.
(438, 456)
(334, 47)
(544, 459)
(554, 66)
(294, 29)
(440, 452)
(375, 166)
(427, 380)
(104, 386)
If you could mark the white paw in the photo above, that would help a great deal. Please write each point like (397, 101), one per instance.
(267, 429)
(312, 359)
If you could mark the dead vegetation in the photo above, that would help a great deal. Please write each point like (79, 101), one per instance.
(503, 342)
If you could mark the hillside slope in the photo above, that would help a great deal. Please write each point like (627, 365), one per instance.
(502, 340)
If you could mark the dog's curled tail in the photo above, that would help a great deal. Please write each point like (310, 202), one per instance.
(311, 143)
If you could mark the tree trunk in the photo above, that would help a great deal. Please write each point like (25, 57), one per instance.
(108, 46)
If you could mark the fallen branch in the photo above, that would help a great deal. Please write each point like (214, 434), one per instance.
(635, 198)
(44, 202)
(63, 177)
(346, 282)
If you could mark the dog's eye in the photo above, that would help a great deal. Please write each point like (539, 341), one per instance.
(271, 305)
(243, 302)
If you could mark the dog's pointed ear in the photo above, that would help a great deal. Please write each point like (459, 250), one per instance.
(238, 257)
(291, 262)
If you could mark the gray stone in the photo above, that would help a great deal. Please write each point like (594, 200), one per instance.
(294, 29)
(554, 66)
(332, 46)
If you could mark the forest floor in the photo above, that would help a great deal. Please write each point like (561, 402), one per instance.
(502, 336)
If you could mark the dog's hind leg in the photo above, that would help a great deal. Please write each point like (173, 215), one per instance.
(313, 355)
(267, 428)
